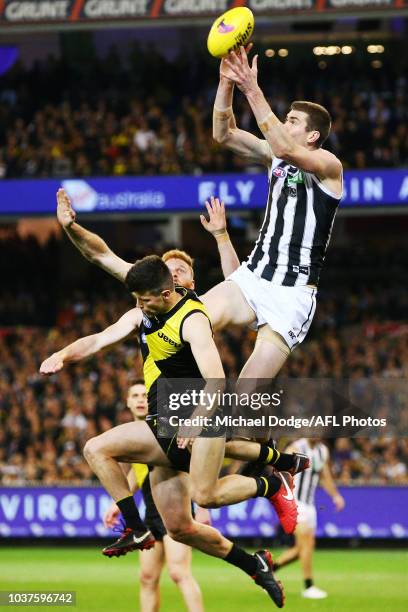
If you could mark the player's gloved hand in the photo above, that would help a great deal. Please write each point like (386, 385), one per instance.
(217, 222)
(111, 516)
(65, 213)
(338, 501)
(53, 364)
(202, 515)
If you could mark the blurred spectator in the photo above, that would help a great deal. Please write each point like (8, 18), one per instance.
(128, 121)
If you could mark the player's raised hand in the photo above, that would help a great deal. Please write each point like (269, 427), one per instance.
(242, 74)
(217, 219)
(111, 516)
(225, 71)
(65, 213)
(52, 365)
(338, 501)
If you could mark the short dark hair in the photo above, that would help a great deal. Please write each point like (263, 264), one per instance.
(137, 381)
(318, 118)
(149, 275)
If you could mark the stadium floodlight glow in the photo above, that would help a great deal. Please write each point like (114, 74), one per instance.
(270, 52)
(322, 65)
(333, 50)
(319, 50)
(283, 52)
(375, 49)
(346, 50)
(376, 64)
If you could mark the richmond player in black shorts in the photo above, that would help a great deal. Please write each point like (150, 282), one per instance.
(175, 555)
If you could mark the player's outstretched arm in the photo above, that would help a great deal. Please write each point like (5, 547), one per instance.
(89, 345)
(89, 244)
(225, 130)
(319, 161)
(327, 483)
(217, 226)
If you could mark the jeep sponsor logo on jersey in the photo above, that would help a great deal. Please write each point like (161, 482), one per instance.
(167, 339)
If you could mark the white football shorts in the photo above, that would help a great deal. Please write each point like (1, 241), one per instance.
(307, 516)
(288, 311)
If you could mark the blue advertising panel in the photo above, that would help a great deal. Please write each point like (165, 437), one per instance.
(365, 188)
(78, 511)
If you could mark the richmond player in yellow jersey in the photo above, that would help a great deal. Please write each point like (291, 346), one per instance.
(192, 347)
(175, 555)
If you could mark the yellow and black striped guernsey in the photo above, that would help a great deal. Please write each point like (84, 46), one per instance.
(164, 352)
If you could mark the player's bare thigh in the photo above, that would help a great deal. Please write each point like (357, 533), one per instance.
(207, 456)
(227, 305)
(268, 357)
(131, 443)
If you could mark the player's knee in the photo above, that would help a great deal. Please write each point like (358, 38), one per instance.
(149, 580)
(92, 449)
(178, 572)
(182, 532)
(206, 498)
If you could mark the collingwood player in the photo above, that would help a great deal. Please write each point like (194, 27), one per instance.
(279, 279)
(305, 487)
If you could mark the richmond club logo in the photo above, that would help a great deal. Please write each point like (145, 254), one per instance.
(146, 322)
(279, 172)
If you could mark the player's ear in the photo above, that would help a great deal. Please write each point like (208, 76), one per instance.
(166, 294)
(313, 137)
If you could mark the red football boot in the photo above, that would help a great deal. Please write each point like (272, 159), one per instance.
(285, 504)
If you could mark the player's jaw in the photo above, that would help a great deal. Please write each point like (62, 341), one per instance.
(139, 412)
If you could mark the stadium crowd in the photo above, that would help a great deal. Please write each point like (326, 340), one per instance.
(116, 116)
(44, 422)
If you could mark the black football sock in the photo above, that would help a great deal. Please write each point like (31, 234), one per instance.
(308, 583)
(267, 485)
(271, 456)
(278, 565)
(130, 513)
(238, 557)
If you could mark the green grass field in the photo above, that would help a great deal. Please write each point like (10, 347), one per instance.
(362, 581)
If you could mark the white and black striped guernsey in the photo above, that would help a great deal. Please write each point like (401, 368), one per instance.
(306, 482)
(296, 230)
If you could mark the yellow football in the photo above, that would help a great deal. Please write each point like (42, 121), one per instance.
(231, 30)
